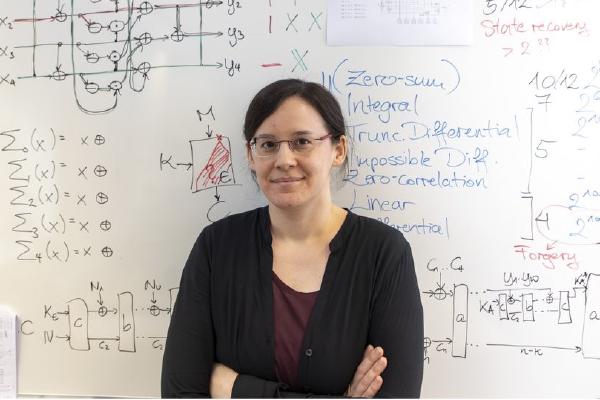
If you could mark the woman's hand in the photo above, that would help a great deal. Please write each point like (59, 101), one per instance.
(221, 381)
(367, 379)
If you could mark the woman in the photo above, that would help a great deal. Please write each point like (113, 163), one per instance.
(302, 297)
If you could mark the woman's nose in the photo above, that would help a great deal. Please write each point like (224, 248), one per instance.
(285, 157)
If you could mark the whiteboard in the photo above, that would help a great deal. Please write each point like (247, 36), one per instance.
(485, 156)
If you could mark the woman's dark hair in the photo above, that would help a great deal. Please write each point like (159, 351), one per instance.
(269, 98)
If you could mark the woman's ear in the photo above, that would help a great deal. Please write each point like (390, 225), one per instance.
(250, 157)
(341, 150)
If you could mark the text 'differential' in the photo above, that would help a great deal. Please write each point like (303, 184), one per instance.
(442, 131)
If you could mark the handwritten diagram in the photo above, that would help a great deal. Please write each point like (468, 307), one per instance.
(105, 324)
(108, 47)
(523, 307)
(210, 164)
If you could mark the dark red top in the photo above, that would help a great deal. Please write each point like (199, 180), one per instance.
(291, 311)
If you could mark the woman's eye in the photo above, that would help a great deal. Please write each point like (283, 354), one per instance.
(267, 145)
(302, 142)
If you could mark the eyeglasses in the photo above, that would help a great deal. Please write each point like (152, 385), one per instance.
(267, 147)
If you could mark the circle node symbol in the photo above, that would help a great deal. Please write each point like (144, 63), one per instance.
(145, 38)
(100, 171)
(107, 252)
(102, 311)
(105, 225)
(101, 198)
(154, 311)
(99, 140)
(94, 27)
(116, 26)
(92, 58)
(92, 87)
(144, 68)
(114, 56)
(115, 85)
(177, 36)
(146, 8)
(439, 294)
(60, 16)
(59, 75)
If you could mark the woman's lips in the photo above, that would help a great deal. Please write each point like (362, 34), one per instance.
(287, 179)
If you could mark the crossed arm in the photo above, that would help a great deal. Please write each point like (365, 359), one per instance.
(366, 382)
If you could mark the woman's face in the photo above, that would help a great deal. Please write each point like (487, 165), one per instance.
(291, 179)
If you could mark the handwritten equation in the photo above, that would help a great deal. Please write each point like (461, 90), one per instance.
(49, 222)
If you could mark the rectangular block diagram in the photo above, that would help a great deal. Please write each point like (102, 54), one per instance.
(211, 163)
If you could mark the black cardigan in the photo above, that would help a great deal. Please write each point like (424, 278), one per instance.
(224, 312)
